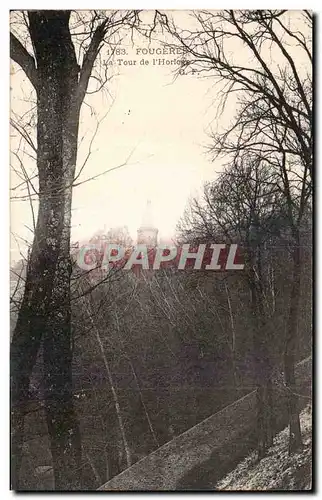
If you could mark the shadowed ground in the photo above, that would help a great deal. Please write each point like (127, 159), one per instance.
(198, 458)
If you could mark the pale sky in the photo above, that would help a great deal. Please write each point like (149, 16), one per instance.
(164, 123)
(160, 124)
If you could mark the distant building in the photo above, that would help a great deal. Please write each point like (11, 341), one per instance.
(147, 233)
(117, 235)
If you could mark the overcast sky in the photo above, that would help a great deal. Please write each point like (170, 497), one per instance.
(158, 126)
(154, 124)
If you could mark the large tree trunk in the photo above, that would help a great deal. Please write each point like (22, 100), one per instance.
(26, 339)
(295, 438)
(30, 326)
(262, 363)
(45, 309)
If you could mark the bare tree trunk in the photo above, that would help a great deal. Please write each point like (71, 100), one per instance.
(138, 386)
(295, 438)
(127, 450)
(46, 312)
(47, 275)
(45, 309)
(27, 335)
(269, 412)
(57, 131)
(261, 435)
(262, 365)
(143, 403)
(233, 337)
(116, 402)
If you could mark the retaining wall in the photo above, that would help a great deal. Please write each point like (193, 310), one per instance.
(209, 450)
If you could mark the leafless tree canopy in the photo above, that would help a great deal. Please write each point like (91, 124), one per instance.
(106, 367)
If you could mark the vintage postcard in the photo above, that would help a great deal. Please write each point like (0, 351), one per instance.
(161, 250)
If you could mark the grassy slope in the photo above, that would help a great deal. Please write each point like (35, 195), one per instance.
(277, 471)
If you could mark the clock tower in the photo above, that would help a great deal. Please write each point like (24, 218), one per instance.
(147, 232)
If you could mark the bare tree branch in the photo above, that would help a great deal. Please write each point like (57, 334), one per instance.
(22, 57)
(89, 59)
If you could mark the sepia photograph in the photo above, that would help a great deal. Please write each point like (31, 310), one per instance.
(161, 250)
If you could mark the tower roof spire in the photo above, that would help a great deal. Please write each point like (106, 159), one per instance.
(147, 218)
(147, 232)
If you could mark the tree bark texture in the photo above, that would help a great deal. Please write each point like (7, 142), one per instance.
(46, 312)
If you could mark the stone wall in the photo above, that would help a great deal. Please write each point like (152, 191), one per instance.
(206, 452)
